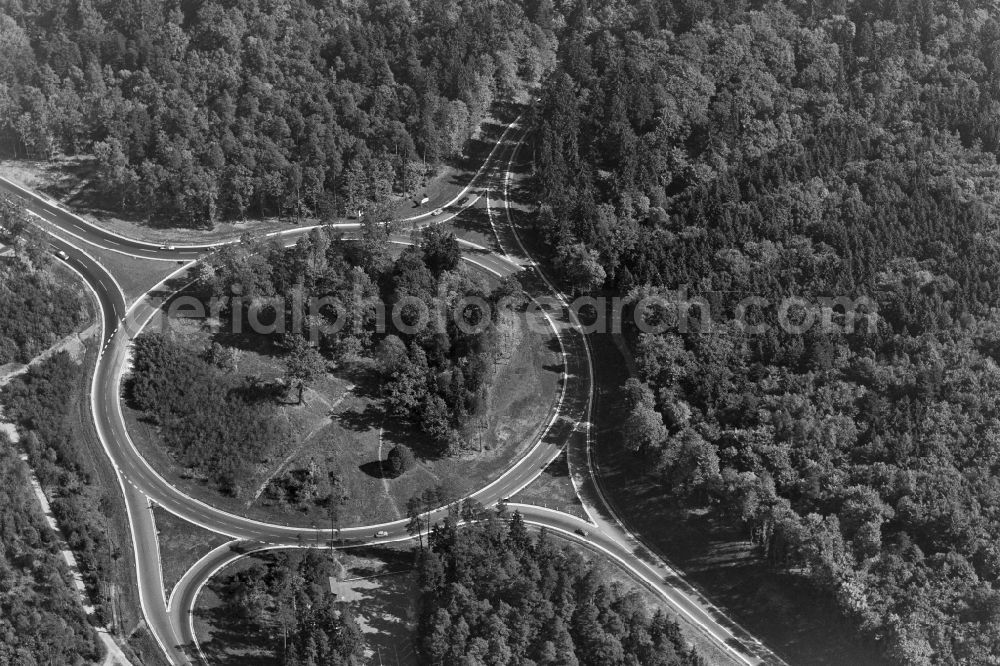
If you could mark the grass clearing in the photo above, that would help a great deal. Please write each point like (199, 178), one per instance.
(181, 545)
(136, 276)
(553, 490)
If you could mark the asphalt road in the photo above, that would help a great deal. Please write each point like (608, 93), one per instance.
(568, 428)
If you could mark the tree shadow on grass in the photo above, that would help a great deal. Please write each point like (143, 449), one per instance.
(477, 149)
(558, 468)
(377, 469)
(363, 421)
(248, 341)
(475, 220)
(254, 392)
(476, 252)
(522, 195)
(386, 611)
(257, 647)
(176, 288)
(403, 431)
(552, 344)
(363, 377)
(76, 183)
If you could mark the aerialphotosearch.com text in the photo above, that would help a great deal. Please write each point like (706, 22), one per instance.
(656, 312)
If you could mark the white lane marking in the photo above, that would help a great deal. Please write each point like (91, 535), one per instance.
(101, 246)
(89, 256)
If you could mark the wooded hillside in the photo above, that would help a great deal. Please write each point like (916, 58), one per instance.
(815, 149)
(199, 111)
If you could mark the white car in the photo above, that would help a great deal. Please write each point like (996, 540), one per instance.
(62, 255)
(381, 534)
(169, 248)
(437, 211)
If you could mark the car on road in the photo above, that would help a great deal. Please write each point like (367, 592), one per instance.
(381, 534)
(582, 533)
(169, 248)
(62, 255)
(437, 211)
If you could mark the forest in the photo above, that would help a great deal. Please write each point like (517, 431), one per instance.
(40, 404)
(723, 150)
(213, 421)
(41, 621)
(491, 592)
(36, 309)
(330, 300)
(201, 111)
(287, 597)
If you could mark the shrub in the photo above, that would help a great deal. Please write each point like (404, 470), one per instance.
(400, 460)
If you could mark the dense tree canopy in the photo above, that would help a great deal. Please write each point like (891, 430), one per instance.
(212, 420)
(288, 597)
(228, 108)
(420, 316)
(36, 310)
(41, 622)
(728, 150)
(491, 593)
